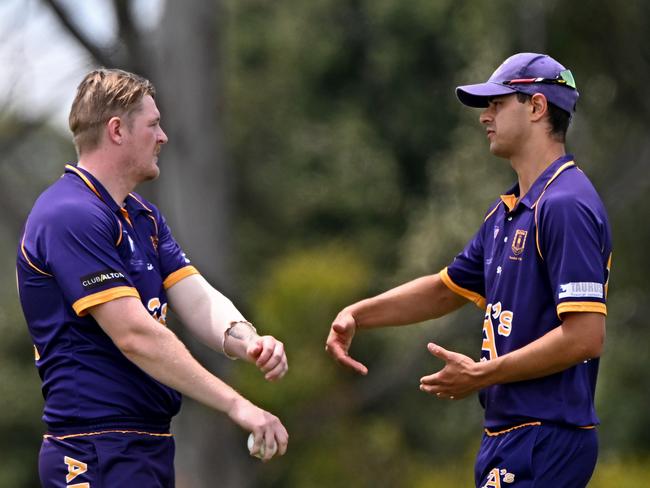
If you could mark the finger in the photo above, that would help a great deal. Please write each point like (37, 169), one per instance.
(258, 439)
(352, 364)
(270, 447)
(342, 327)
(432, 379)
(274, 359)
(431, 390)
(268, 346)
(282, 439)
(439, 351)
(253, 351)
(278, 372)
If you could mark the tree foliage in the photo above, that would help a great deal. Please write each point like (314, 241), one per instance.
(354, 168)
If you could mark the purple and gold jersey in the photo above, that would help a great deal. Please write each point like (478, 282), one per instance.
(80, 249)
(532, 261)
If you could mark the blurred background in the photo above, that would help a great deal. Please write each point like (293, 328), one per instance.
(318, 155)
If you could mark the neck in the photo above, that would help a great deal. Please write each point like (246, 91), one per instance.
(532, 162)
(108, 173)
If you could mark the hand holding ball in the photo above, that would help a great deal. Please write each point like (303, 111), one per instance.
(262, 451)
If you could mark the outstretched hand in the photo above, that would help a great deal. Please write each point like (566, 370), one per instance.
(339, 341)
(268, 354)
(460, 376)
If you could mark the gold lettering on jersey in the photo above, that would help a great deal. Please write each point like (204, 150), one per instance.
(75, 468)
(493, 479)
(495, 315)
(489, 344)
(497, 476)
(79, 485)
(157, 310)
(519, 242)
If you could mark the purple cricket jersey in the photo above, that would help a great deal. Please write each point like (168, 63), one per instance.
(529, 263)
(80, 249)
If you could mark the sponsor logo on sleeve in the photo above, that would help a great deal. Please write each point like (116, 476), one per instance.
(101, 278)
(584, 289)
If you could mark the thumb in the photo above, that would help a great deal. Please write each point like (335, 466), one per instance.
(255, 348)
(341, 327)
(438, 351)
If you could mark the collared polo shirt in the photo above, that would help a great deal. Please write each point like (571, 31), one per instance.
(80, 249)
(533, 260)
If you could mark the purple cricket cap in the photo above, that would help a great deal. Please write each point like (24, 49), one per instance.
(528, 73)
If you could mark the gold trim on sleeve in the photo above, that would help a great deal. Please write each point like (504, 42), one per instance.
(82, 305)
(597, 307)
(474, 297)
(178, 275)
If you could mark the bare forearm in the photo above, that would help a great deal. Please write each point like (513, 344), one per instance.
(422, 299)
(159, 353)
(166, 359)
(559, 349)
(579, 338)
(207, 313)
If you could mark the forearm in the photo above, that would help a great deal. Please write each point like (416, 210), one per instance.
(158, 352)
(422, 299)
(578, 339)
(167, 360)
(208, 315)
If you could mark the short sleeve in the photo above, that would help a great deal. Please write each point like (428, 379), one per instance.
(574, 241)
(174, 264)
(79, 249)
(465, 275)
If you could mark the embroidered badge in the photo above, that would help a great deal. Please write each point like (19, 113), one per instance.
(519, 242)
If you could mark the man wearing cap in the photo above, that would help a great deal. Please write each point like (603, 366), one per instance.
(539, 267)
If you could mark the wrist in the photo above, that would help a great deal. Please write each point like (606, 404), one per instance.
(238, 330)
(487, 372)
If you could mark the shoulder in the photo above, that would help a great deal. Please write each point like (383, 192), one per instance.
(63, 206)
(571, 192)
(492, 209)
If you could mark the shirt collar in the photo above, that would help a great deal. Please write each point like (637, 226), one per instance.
(539, 185)
(134, 203)
(94, 184)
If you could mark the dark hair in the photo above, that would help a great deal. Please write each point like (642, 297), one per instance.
(558, 118)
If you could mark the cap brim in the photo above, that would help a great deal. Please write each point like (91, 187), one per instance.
(479, 94)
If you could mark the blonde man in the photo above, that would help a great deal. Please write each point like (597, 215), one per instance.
(97, 268)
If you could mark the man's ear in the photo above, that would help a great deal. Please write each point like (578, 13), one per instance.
(114, 129)
(539, 106)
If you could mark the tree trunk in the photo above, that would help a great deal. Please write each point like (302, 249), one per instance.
(194, 193)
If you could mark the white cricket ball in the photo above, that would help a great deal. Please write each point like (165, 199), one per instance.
(260, 453)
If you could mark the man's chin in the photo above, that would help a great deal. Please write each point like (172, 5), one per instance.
(498, 151)
(153, 174)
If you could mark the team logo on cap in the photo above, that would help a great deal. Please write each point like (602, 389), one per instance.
(519, 242)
